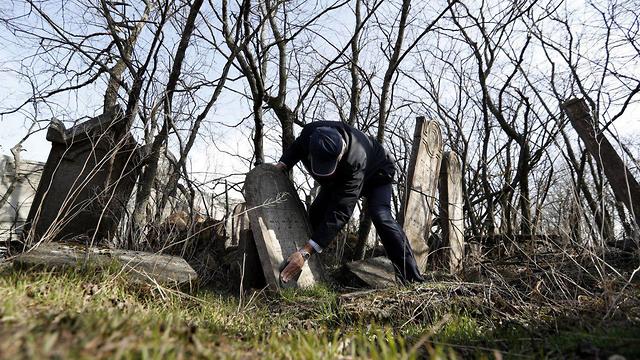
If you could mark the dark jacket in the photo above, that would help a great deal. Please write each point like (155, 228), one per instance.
(364, 164)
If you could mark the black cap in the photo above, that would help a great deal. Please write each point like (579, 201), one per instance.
(325, 147)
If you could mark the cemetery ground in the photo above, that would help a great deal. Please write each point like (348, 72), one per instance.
(510, 310)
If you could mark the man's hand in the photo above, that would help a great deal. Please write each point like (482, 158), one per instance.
(296, 262)
(293, 268)
(281, 166)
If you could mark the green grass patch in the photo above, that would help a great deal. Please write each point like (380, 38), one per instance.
(99, 314)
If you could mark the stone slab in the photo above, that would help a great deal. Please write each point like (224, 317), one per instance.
(376, 272)
(139, 266)
(279, 224)
(422, 187)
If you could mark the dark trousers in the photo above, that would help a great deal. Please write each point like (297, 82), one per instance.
(393, 238)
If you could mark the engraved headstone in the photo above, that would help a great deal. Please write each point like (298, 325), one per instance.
(422, 180)
(87, 180)
(279, 223)
(451, 213)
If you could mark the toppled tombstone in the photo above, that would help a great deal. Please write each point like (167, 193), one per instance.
(421, 191)
(376, 272)
(87, 180)
(137, 265)
(279, 224)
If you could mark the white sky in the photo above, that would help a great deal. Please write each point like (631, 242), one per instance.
(204, 157)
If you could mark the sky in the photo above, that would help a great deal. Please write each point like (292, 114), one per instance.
(205, 158)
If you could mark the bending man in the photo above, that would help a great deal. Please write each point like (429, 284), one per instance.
(347, 164)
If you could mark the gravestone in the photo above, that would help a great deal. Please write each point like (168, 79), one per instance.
(87, 180)
(241, 253)
(239, 225)
(376, 272)
(279, 223)
(451, 248)
(422, 180)
(137, 265)
(18, 188)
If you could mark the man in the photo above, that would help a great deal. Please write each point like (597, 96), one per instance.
(347, 164)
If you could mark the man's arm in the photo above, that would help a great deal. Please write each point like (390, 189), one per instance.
(344, 201)
(345, 198)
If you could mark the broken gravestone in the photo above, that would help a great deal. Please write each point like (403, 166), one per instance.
(422, 180)
(87, 180)
(376, 272)
(138, 266)
(450, 251)
(279, 223)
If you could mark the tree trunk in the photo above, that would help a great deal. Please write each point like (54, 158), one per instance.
(148, 177)
(625, 187)
(365, 219)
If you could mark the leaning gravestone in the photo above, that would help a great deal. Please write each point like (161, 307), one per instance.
(451, 214)
(422, 180)
(137, 266)
(87, 180)
(279, 223)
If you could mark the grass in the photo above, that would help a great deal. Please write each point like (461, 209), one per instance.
(90, 314)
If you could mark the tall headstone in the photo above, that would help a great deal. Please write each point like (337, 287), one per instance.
(451, 252)
(422, 186)
(279, 223)
(87, 180)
